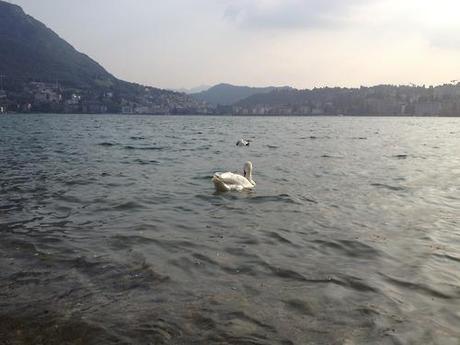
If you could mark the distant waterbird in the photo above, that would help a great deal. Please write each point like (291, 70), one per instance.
(243, 142)
(228, 181)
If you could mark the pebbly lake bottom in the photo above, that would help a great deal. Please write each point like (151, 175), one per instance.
(111, 232)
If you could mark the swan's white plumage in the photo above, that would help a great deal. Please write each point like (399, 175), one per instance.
(228, 181)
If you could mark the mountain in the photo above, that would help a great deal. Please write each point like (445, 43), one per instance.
(41, 72)
(275, 97)
(193, 90)
(226, 94)
(31, 51)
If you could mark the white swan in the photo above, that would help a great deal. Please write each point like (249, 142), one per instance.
(225, 182)
(243, 142)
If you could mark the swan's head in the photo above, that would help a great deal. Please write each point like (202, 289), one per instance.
(247, 170)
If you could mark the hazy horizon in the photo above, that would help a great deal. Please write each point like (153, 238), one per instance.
(303, 44)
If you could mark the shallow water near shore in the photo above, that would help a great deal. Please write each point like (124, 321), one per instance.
(111, 232)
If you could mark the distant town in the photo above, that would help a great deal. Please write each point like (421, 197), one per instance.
(42, 97)
(383, 100)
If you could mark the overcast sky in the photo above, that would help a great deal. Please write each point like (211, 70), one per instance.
(302, 43)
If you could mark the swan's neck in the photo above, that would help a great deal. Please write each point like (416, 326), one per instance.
(249, 176)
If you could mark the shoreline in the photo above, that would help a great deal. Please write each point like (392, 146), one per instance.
(239, 115)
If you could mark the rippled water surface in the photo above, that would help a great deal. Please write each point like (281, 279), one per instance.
(111, 233)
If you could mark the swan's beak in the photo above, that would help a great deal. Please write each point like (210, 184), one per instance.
(244, 173)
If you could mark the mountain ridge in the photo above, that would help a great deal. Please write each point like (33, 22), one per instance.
(32, 51)
(193, 90)
(41, 72)
(225, 94)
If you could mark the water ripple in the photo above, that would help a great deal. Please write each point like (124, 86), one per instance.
(111, 232)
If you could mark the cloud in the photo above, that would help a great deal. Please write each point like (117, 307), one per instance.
(290, 14)
(446, 39)
(436, 24)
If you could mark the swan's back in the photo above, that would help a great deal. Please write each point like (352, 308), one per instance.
(225, 182)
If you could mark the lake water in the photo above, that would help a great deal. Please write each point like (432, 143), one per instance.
(111, 232)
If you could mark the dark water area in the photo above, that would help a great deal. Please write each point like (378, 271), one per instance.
(111, 232)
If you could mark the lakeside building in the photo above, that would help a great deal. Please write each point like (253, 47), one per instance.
(383, 100)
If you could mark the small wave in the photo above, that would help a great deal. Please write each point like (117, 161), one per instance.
(422, 288)
(355, 249)
(345, 281)
(123, 241)
(252, 322)
(331, 156)
(146, 162)
(107, 144)
(449, 257)
(386, 186)
(308, 199)
(276, 198)
(202, 148)
(281, 239)
(7, 207)
(202, 178)
(287, 274)
(77, 182)
(130, 205)
(314, 137)
(272, 146)
(401, 156)
(354, 283)
(137, 138)
(147, 148)
(209, 197)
